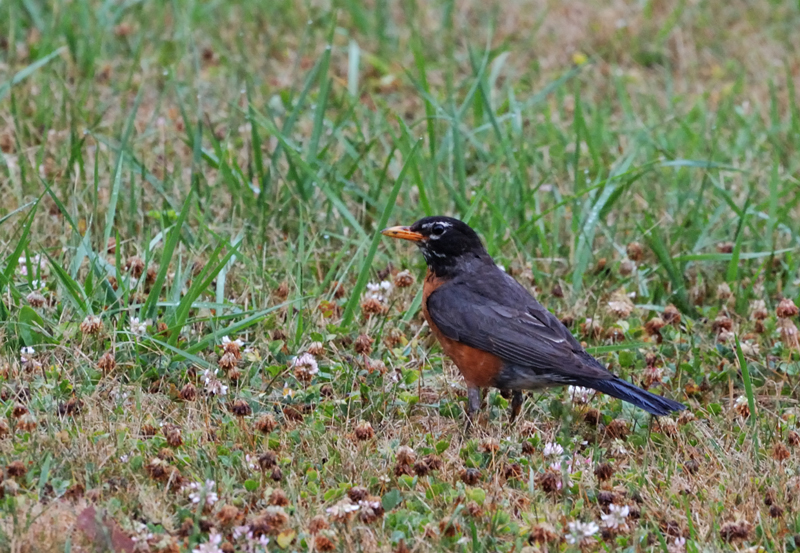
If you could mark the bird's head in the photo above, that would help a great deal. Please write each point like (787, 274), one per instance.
(443, 241)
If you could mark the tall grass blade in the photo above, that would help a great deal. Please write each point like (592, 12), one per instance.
(659, 248)
(26, 72)
(751, 402)
(74, 291)
(111, 211)
(733, 265)
(363, 275)
(199, 284)
(12, 261)
(174, 236)
(609, 195)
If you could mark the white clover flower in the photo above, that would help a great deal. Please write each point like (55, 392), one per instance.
(138, 327)
(573, 464)
(209, 375)
(618, 448)
(620, 309)
(212, 545)
(366, 504)
(37, 262)
(142, 533)
(226, 340)
(240, 532)
(378, 291)
(305, 367)
(616, 517)
(552, 448)
(565, 479)
(214, 386)
(342, 509)
(750, 349)
(307, 361)
(217, 388)
(201, 489)
(580, 531)
(579, 394)
(92, 324)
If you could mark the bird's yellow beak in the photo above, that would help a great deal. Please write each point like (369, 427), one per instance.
(404, 233)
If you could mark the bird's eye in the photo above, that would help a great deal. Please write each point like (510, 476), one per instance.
(437, 229)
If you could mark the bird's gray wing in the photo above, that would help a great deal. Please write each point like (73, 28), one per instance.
(492, 314)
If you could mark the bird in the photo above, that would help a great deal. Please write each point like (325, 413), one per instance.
(495, 331)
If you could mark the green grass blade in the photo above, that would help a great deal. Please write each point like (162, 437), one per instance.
(179, 353)
(74, 290)
(199, 284)
(26, 72)
(659, 248)
(363, 275)
(322, 97)
(149, 308)
(729, 256)
(21, 208)
(12, 261)
(412, 310)
(774, 196)
(223, 273)
(111, 210)
(733, 266)
(751, 402)
(255, 137)
(235, 328)
(583, 250)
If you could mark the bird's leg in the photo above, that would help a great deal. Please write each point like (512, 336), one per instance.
(473, 403)
(516, 404)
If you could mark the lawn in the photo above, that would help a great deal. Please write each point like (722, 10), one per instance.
(206, 344)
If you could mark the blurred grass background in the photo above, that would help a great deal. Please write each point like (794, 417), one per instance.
(563, 131)
(248, 152)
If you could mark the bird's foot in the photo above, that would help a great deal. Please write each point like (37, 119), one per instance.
(473, 407)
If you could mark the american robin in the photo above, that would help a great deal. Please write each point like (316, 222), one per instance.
(496, 333)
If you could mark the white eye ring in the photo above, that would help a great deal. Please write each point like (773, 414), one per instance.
(438, 229)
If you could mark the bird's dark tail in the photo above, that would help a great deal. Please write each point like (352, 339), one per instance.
(620, 389)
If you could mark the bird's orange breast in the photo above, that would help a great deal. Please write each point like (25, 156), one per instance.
(479, 368)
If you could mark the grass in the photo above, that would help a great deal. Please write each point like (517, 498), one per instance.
(177, 176)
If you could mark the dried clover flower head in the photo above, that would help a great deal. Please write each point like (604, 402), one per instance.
(786, 309)
(91, 325)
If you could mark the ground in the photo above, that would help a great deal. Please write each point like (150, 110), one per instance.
(208, 346)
